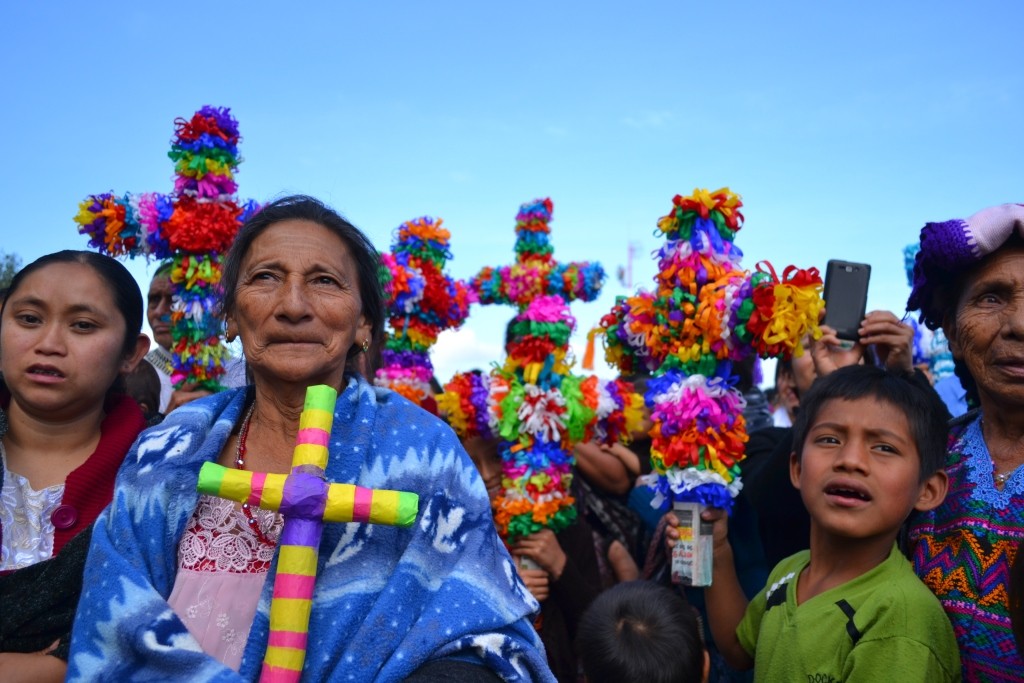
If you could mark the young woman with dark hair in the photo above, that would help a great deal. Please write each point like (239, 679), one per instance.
(70, 330)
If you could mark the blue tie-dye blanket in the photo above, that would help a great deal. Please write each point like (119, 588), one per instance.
(387, 599)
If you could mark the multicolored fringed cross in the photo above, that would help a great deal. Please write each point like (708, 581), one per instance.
(306, 500)
(535, 408)
(422, 302)
(705, 316)
(193, 226)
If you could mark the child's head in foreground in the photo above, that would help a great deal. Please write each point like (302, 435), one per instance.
(869, 447)
(144, 386)
(641, 631)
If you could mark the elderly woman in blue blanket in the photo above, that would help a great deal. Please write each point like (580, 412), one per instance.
(178, 585)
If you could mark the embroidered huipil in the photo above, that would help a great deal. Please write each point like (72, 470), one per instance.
(964, 549)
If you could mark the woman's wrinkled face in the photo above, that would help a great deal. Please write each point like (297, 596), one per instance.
(988, 333)
(298, 310)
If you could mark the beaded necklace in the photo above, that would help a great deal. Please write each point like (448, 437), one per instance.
(1001, 478)
(240, 464)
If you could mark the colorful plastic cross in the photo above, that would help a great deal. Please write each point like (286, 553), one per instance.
(705, 315)
(306, 500)
(533, 405)
(193, 226)
(422, 301)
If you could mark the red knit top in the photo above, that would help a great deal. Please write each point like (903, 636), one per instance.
(90, 487)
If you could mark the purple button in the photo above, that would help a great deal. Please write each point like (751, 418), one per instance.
(64, 517)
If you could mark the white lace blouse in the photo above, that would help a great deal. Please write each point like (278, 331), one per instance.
(25, 517)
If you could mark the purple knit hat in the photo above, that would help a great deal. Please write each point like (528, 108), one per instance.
(951, 247)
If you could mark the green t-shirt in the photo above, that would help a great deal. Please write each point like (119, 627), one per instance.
(885, 625)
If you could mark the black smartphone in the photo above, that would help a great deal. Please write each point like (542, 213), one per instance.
(846, 297)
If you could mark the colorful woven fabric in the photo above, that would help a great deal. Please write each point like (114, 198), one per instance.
(422, 302)
(194, 226)
(704, 315)
(533, 405)
(964, 550)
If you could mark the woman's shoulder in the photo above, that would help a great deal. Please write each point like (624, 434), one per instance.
(178, 440)
(201, 414)
(392, 438)
(398, 415)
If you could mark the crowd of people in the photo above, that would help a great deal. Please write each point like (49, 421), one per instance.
(875, 537)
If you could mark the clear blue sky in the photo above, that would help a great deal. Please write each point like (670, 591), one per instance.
(844, 126)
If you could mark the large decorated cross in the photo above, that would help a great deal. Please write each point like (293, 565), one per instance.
(535, 271)
(705, 315)
(422, 302)
(194, 226)
(306, 500)
(535, 408)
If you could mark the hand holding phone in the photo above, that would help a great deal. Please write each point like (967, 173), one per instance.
(890, 340)
(846, 297)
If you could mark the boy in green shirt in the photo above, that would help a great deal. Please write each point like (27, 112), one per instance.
(869, 447)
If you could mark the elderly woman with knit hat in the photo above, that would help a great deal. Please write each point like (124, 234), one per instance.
(969, 280)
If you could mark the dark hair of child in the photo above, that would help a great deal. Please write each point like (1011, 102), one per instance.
(926, 414)
(143, 385)
(640, 631)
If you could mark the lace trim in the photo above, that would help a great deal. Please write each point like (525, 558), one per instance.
(218, 538)
(980, 469)
(25, 519)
